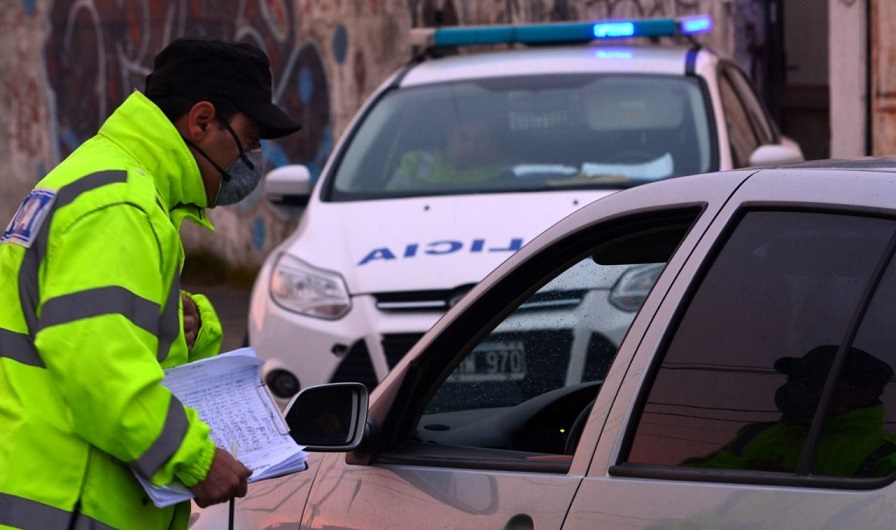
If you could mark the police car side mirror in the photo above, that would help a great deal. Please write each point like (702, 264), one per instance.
(288, 185)
(776, 154)
(328, 418)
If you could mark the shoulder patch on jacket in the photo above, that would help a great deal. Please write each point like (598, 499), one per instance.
(29, 217)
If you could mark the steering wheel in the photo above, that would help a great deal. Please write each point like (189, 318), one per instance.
(575, 431)
(546, 419)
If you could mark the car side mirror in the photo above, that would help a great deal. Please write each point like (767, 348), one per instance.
(288, 185)
(328, 418)
(776, 155)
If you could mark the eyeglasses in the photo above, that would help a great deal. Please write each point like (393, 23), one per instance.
(239, 144)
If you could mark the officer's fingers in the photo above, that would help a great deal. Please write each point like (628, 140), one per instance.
(191, 320)
(189, 306)
(190, 337)
(226, 478)
(242, 489)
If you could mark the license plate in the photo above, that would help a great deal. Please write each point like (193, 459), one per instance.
(493, 361)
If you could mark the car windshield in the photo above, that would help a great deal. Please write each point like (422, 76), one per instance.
(527, 134)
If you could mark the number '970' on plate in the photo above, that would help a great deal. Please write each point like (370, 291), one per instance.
(493, 361)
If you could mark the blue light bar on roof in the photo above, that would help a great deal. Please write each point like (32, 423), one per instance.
(564, 32)
(695, 24)
(614, 29)
(653, 27)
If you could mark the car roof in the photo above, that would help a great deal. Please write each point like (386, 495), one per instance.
(787, 182)
(666, 60)
(882, 164)
(864, 181)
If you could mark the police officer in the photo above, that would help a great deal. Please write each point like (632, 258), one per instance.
(92, 306)
(853, 441)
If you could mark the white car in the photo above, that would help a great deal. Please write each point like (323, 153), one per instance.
(457, 161)
(754, 388)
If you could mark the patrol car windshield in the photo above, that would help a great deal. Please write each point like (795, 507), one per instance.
(532, 133)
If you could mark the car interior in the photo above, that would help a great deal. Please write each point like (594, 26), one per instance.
(521, 393)
(596, 132)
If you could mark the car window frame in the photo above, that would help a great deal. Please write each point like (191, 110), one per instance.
(391, 445)
(765, 127)
(737, 91)
(733, 106)
(617, 467)
(715, 141)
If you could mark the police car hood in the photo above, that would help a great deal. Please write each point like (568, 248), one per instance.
(416, 244)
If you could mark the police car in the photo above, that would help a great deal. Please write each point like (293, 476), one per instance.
(459, 159)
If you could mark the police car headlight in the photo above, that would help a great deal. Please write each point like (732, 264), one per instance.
(634, 285)
(301, 288)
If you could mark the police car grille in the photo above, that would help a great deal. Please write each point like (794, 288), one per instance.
(601, 352)
(396, 345)
(554, 300)
(433, 300)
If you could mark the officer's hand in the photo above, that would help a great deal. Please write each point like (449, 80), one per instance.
(191, 321)
(226, 479)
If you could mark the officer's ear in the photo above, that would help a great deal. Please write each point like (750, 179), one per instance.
(197, 122)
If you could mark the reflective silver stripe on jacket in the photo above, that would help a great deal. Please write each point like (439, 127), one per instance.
(141, 312)
(169, 324)
(19, 347)
(106, 300)
(100, 301)
(23, 513)
(167, 443)
(29, 294)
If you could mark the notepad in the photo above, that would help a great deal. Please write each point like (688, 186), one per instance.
(228, 394)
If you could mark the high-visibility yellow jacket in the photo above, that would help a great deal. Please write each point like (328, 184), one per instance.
(854, 444)
(91, 315)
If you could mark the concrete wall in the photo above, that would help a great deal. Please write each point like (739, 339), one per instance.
(65, 65)
(883, 82)
(860, 126)
(848, 65)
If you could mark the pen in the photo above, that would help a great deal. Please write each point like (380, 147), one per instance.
(233, 450)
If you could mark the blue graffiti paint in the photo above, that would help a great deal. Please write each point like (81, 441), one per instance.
(30, 7)
(274, 155)
(326, 142)
(258, 233)
(69, 139)
(74, 39)
(323, 152)
(314, 169)
(306, 85)
(340, 44)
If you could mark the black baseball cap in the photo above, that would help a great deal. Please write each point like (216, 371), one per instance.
(239, 72)
(861, 369)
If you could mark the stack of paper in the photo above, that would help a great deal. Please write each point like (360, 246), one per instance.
(228, 394)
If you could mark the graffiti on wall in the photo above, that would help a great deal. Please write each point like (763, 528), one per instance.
(99, 51)
(455, 12)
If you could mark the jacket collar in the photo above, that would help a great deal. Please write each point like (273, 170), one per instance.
(139, 127)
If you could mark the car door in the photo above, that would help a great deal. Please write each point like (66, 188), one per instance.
(746, 119)
(789, 266)
(477, 427)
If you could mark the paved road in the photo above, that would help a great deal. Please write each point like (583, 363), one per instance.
(232, 305)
